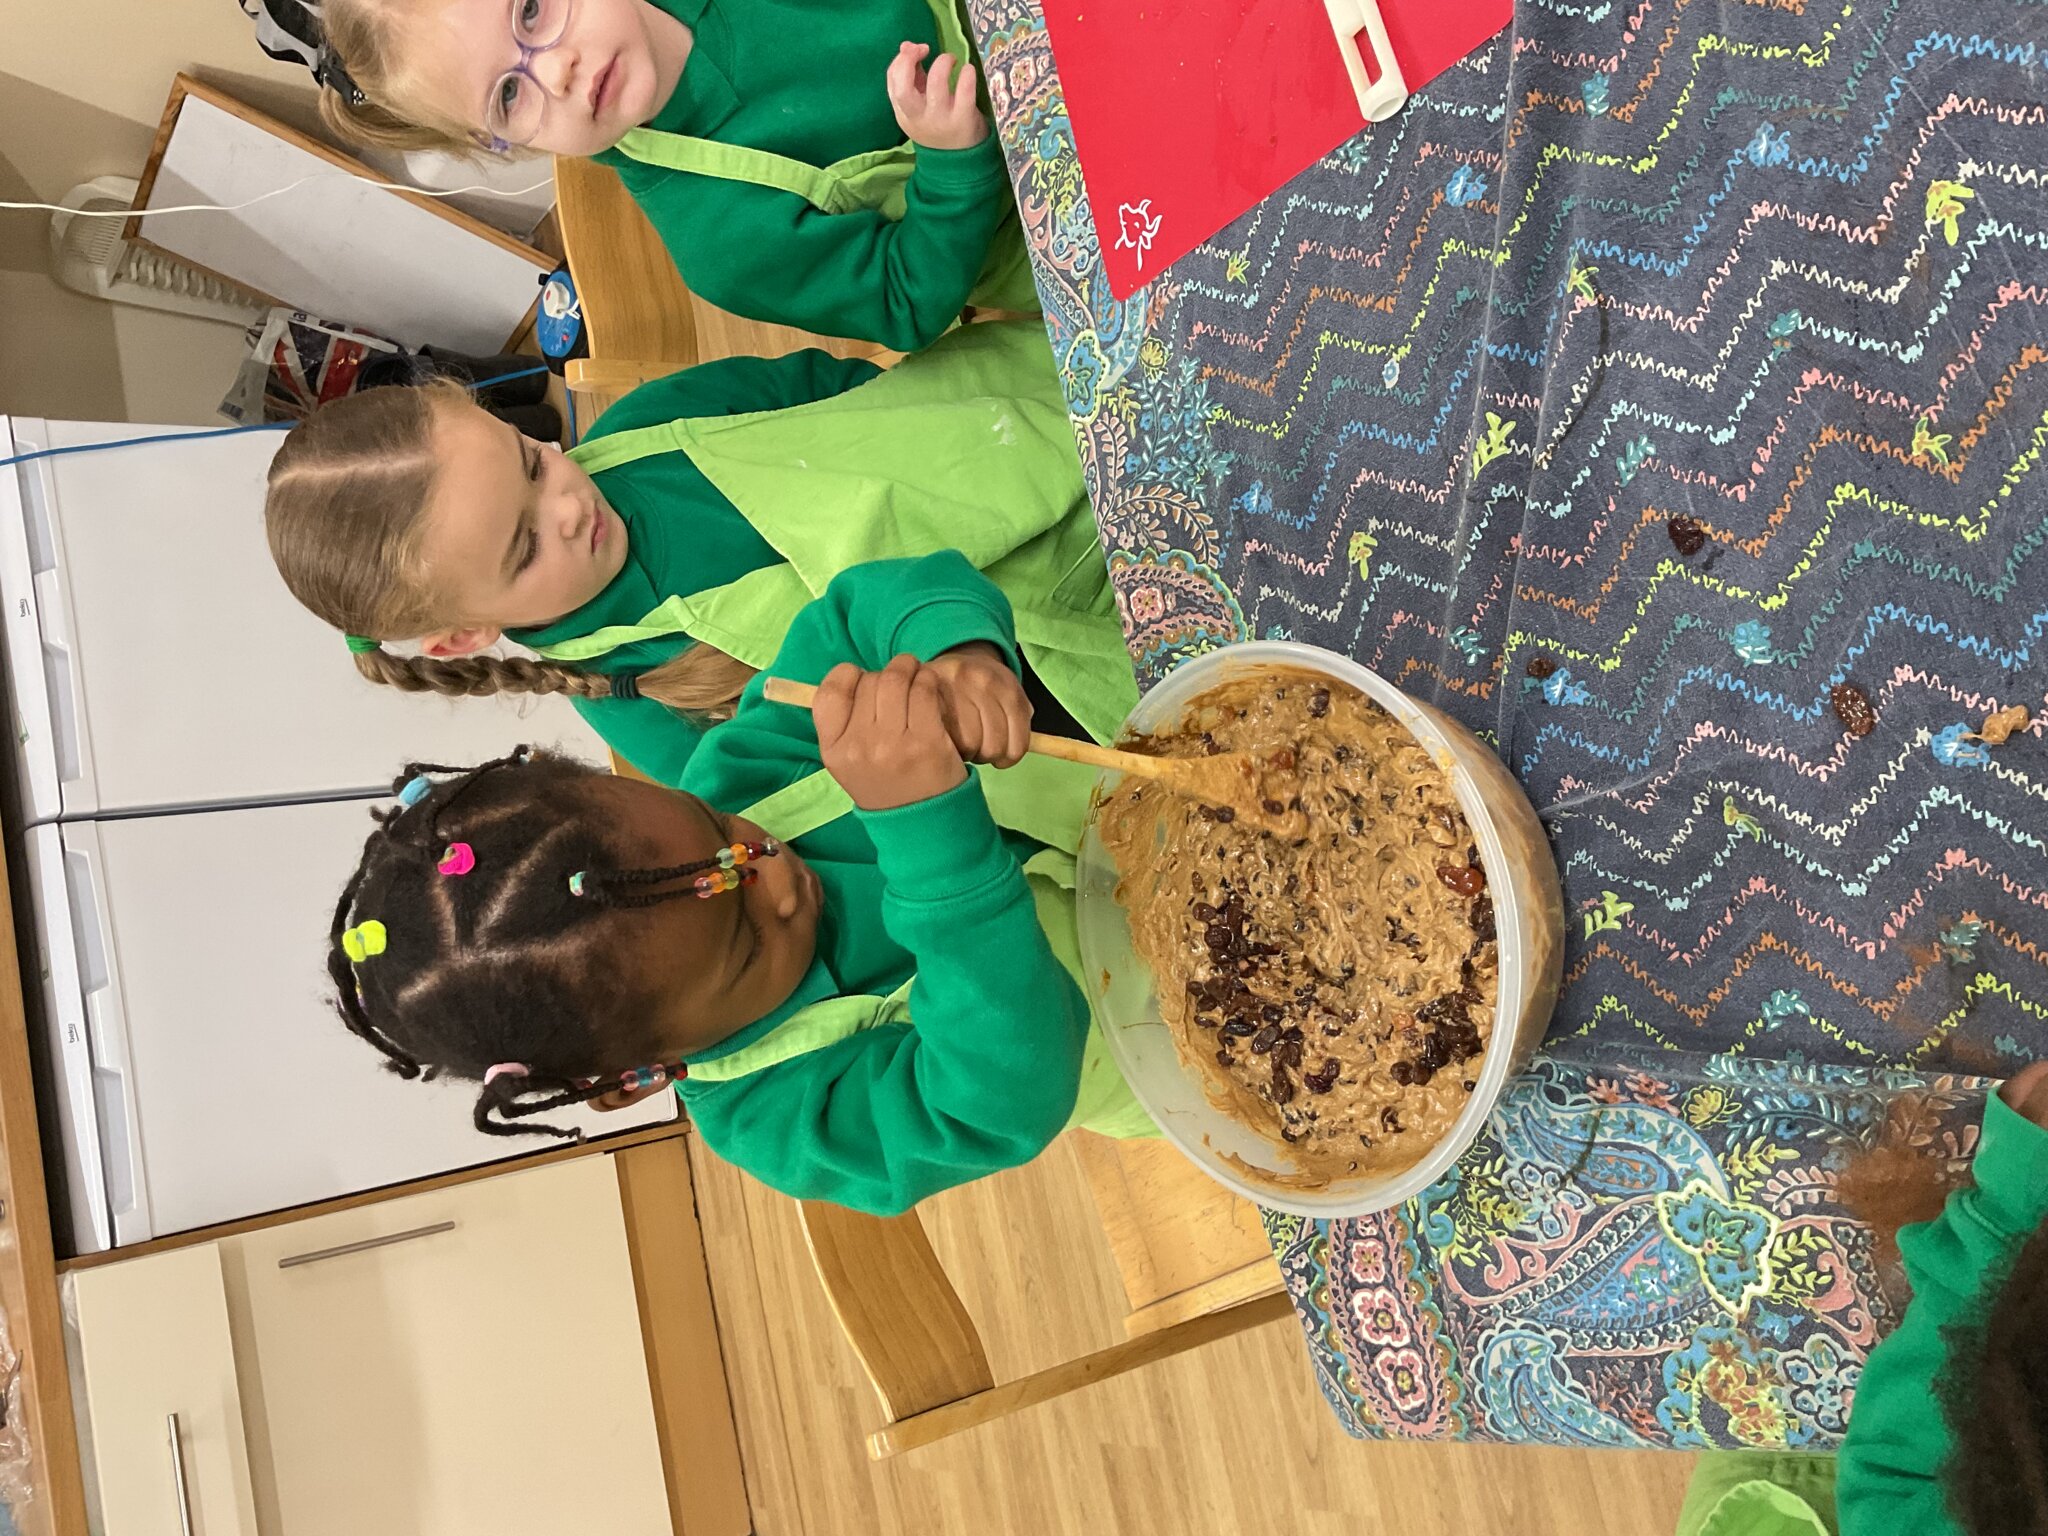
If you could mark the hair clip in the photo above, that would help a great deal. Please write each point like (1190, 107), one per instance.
(364, 940)
(330, 71)
(417, 788)
(358, 644)
(460, 859)
(576, 882)
(506, 1069)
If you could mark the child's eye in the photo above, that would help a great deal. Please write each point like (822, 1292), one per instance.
(533, 466)
(532, 548)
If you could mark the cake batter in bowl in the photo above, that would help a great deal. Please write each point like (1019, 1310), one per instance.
(1345, 1011)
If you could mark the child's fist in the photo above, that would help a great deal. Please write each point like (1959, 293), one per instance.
(986, 710)
(882, 735)
(932, 113)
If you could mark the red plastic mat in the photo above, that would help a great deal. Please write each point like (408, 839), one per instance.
(1187, 113)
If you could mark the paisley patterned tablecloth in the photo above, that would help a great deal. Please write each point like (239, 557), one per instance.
(1659, 394)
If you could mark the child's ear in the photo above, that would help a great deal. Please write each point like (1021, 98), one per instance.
(446, 643)
(619, 1098)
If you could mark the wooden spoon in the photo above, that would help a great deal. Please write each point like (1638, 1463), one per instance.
(1228, 781)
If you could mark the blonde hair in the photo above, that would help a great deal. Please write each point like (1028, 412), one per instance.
(365, 37)
(344, 517)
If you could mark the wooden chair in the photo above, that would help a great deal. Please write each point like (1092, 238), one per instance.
(642, 322)
(1195, 1264)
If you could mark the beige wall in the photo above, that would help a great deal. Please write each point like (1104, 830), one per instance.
(82, 86)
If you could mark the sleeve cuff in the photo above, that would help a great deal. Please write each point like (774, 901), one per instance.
(2011, 1168)
(939, 626)
(979, 166)
(938, 849)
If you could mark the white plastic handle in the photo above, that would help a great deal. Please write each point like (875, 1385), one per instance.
(1377, 100)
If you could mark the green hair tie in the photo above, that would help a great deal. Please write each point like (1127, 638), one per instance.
(362, 643)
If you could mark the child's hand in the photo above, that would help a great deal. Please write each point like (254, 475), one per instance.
(930, 113)
(882, 735)
(2027, 1092)
(986, 710)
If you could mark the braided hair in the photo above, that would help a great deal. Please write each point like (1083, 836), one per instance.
(484, 953)
(343, 511)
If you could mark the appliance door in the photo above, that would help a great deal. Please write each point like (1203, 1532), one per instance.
(159, 663)
(223, 1084)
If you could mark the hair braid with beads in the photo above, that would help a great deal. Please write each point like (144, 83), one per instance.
(503, 963)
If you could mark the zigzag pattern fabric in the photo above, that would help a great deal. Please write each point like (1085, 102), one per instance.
(1660, 393)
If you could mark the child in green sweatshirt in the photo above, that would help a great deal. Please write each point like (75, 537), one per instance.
(1948, 1433)
(796, 156)
(853, 956)
(658, 565)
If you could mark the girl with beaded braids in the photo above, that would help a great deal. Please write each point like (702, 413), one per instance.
(657, 566)
(854, 958)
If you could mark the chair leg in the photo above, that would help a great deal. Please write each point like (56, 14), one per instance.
(1042, 1386)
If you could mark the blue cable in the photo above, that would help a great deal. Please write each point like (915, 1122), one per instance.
(193, 437)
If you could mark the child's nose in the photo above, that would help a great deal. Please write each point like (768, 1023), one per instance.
(555, 68)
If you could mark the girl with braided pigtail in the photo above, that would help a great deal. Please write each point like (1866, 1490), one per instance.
(653, 569)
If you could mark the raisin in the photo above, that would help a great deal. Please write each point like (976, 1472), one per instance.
(1464, 879)
(1223, 813)
(1240, 1029)
(1687, 536)
(1319, 703)
(1389, 1121)
(1266, 1039)
(1204, 913)
(1217, 937)
(1540, 667)
(1288, 1052)
(1483, 931)
(1283, 1085)
(1273, 807)
(1853, 709)
(1342, 754)
(1225, 1059)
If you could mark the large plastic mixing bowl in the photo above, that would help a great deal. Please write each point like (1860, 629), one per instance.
(1521, 877)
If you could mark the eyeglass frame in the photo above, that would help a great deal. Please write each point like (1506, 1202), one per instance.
(528, 52)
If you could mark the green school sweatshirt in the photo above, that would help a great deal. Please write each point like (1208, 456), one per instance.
(932, 894)
(803, 79)
(1889, 1479)
(682, 535)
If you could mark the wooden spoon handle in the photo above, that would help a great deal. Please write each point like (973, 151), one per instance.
(780, 690)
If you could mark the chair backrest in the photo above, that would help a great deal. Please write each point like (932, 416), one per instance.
(897, 1308)
(634, 303)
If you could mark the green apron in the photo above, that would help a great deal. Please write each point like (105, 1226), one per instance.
(874, 180)
(965, 446)
(1104, 1105)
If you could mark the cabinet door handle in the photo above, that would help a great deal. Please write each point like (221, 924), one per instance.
(341, 1250)
(178, 1474)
